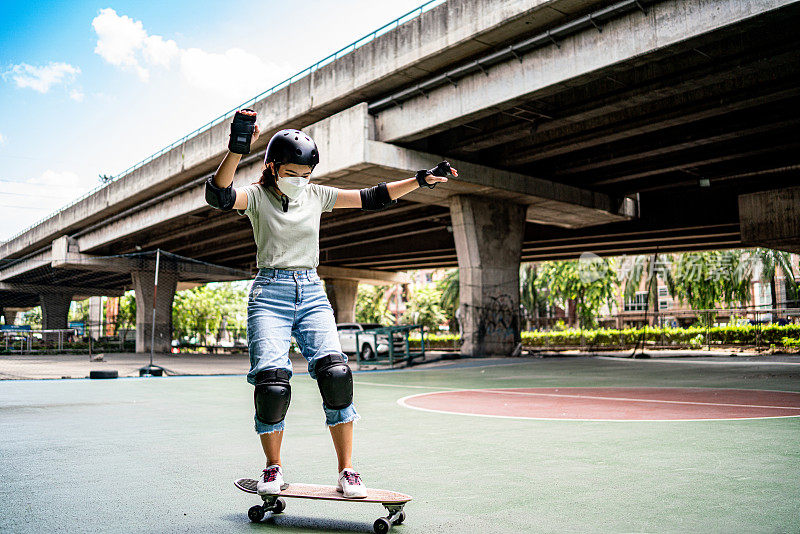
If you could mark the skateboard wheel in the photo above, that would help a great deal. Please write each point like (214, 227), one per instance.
(280, 506)
(400, 517)
(381, 525)
(255, 513)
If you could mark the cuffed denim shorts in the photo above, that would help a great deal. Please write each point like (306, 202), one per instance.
(284, 303)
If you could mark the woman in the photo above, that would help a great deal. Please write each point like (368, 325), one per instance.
(287, 298)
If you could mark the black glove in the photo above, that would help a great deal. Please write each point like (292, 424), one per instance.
(442, 169)
(242, 129)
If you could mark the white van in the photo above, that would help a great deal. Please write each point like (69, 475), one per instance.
(369, 348)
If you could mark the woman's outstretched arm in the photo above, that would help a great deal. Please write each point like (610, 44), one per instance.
(351, 198)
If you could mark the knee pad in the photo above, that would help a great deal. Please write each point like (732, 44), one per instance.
(272, 395)
(335, 381)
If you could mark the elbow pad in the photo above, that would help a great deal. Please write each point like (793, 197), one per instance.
(221, 198)
(376, 198)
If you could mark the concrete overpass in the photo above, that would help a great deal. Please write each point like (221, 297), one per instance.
(576, 125)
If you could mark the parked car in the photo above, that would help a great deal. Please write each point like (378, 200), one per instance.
(368, 348)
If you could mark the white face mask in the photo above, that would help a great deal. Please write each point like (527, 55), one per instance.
(292, 186)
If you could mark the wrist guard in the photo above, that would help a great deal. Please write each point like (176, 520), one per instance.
(442, 169)
(376, 198)
(242, 129)
(221, 198)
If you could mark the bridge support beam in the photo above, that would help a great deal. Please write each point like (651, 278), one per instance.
(342, 296)
(771, 219)
(488, 235)
(355, 160)
(95, 317)
(143, 286)
(55, 312)
(9, 316)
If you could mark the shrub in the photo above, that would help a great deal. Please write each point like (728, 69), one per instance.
(694, 336)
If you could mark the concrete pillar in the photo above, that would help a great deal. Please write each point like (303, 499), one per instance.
(771, 219)
(55, 312)
(342, 296)
(9, 316)
(488, 235)
(95, 317)
(143, 286)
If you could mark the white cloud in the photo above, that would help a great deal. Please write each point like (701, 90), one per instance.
(236, 73)
(75, 94)
(41, 79)
(118, 40)
(2, 139)
(158, 51)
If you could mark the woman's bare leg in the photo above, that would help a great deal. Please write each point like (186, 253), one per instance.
(271, 443)
(342, 435)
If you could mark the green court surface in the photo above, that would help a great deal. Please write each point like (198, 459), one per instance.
(161, 455)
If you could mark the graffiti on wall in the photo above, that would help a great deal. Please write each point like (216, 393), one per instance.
(497, 321)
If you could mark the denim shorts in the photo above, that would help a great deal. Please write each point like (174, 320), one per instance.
(284, 303)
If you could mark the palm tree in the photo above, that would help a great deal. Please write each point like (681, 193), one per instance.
(449, 286)
(529, 295)
(770, 261)
(449, 290)
(707, 279)
(656, 266)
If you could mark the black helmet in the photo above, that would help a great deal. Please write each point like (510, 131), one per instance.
(292, 146)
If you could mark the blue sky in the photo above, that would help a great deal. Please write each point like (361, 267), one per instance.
(91, 88)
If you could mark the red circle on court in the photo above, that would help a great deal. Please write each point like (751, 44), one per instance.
(613, 403)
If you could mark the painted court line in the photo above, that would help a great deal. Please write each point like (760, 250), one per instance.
(479, 390)
(624, 399)
(403, 402)
(402, 386)
(616, 359)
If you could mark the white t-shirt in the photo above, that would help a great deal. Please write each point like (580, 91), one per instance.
(287, 240)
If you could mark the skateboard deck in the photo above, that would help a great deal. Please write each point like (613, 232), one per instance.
(391, 500)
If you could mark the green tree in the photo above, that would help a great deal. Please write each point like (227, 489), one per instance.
(449, 288)
(766, 263)
(126, 318)
(32, 317)
(423, 307)
(590, 282)
(79, 311)
(529, 293)
(649, 267)
(202, 310)
(711, 278)
(371, 305)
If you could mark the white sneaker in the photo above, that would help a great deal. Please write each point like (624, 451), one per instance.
(350, 484)
(271, 480)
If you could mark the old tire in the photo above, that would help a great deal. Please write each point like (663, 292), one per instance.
(104, 374)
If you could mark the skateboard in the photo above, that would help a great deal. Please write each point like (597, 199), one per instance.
(391, 500)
